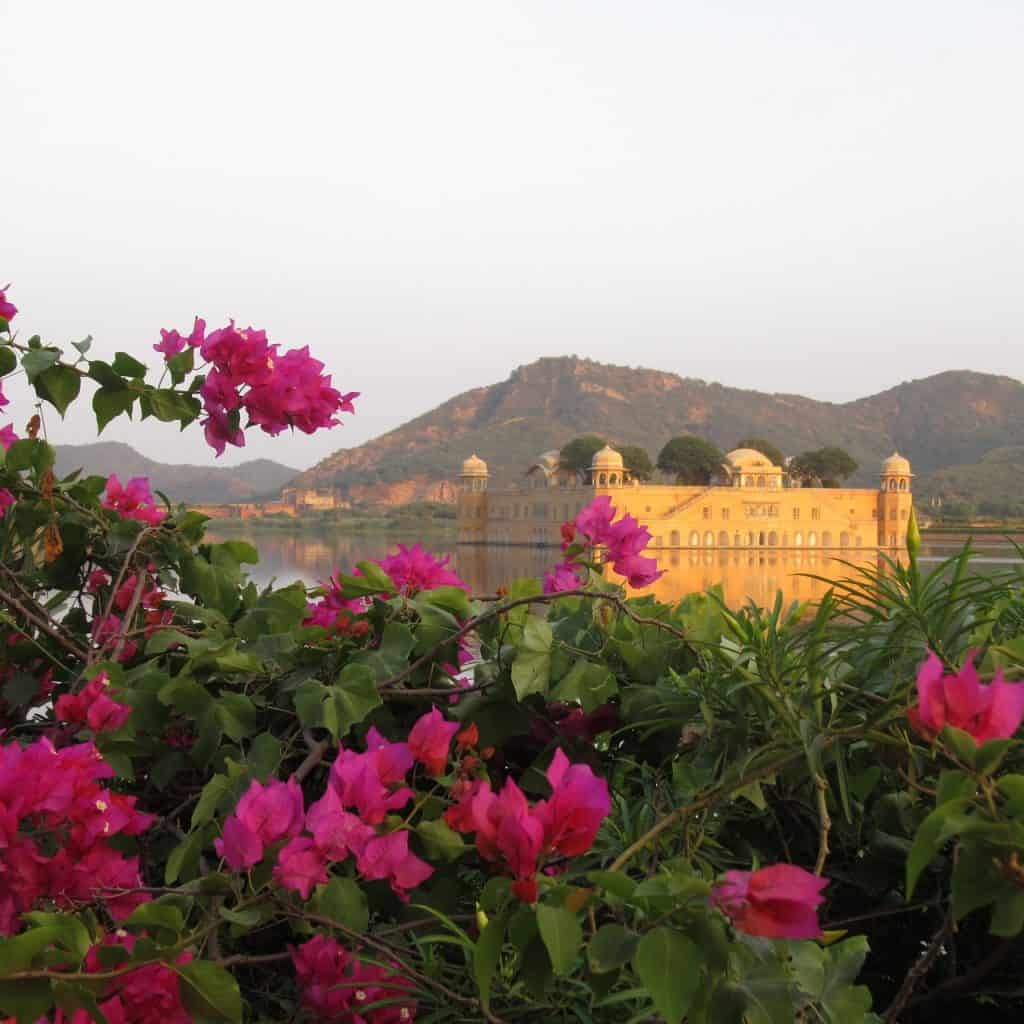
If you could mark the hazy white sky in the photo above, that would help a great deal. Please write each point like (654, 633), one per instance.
(822, 197)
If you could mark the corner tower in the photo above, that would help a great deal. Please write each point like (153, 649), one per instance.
(471, 507)
(894, 501)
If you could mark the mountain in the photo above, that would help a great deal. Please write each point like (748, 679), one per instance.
(191, 484)
(950, 419)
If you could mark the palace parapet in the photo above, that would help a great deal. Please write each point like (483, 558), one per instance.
(747, 505)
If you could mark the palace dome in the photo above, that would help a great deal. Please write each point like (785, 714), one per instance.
(474, 466)
(741, 458)
(607, 458)
(896, 465)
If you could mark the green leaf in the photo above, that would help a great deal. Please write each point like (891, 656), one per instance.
(59, 385)
(126, 366)
(84, 345)
(163, 921)
(343, 901)
(932, 833)
(1008, 916)
(183, 861)
(210, 990)
(487, 955)
(39, 359)
(376, 577)
(991, 755)
(8, 360)
(353, 697)
(71, 997)
(668, 964)
(589, 683)
(961, 743)
(1012, 787)
(26, 1000)
(167, 406)
(452, 599)
(611, 948)
(442, 841)
(562, 936)
(531, 670)
(18, 953)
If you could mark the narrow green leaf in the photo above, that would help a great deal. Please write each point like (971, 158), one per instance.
(487, 955)
(562, 935)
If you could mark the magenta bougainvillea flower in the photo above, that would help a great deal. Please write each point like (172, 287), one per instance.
(623, 542)
(984, 712)
(414, 569)
(777, 902)
(512, 833)
(340, 989)
(430, 741)
(8, 310)
(132, 500)
(265, 815)
(7, 436)
(172, 343)
(6, 501)
(93, 707)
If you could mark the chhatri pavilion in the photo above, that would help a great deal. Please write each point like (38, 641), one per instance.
(748, 504)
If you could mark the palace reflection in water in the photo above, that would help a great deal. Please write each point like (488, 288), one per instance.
(742, 573)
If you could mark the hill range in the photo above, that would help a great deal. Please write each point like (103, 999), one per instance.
(963, 431)
(195, 485)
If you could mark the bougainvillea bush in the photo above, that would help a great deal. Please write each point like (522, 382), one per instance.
(384, 798)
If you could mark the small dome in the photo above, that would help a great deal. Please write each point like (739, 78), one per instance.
(896, 465)
(743, 457)
(607, 458)
(474, 466)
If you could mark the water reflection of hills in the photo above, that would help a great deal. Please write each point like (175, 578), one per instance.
(742, 574)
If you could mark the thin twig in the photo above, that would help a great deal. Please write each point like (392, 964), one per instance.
(919, 970)
(824, 824)
(42, 624)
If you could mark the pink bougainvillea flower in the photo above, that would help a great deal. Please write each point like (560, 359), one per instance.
(430, 740)
(388, 856)
(414, 569)
(579, 803)
(336, 832)
(132, 500)
(337, 987)
(7, 436)
(984, 712)
(97, 578)
(6, 501)
(564, 576)
(300, 866)
(777, 902)
(8, 310)
(93, 707)
(272, 812)
(172, 343)
(639, 571)
(595, 520)
(239, 845)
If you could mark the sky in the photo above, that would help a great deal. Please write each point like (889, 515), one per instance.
(819, 197)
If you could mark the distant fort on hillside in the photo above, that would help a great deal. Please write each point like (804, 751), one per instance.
(749, 504)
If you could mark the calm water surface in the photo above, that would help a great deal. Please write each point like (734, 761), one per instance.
(743, 573)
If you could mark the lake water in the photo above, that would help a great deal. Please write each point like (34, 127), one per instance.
(743, 573)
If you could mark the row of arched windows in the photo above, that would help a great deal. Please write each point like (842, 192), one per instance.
(760, 538)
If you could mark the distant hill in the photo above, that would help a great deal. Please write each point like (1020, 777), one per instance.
(950, 419)
(192, 484)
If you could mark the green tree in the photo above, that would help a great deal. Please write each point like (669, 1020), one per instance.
(765, 447)
(637, 461)
(690, 459)
(576, 456)
(824, 467)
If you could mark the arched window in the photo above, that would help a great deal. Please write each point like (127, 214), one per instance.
(798, 539)
(903, 485)
(812, 539)
(844, 540)
(602, 479)
(723, 539)
(613, 479)
(694, 539)
(857, 540)
(892, 485)
(826, 539)
(709, 539)
(760, 539)
(760, 481)
(674, 539)
(737, 541)
(773, 539)
(751, 539)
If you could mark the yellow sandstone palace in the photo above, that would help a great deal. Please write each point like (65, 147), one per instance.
(747, 505)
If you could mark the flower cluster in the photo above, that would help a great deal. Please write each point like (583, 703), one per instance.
(151, 994)
(56, 822)
(7, 434)
(964, 702)
(777, 902)
(623, 542)
(362, 790)
(108, 627)
(133, 500)
(410, 569)
(277, 390)
(92, 707)
(8, 310)
(512, 833)
(337, 986)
